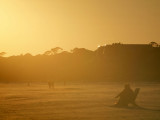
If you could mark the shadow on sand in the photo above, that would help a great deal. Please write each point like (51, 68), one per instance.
(136, 108)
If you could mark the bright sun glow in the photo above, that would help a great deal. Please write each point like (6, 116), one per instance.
(35, 26)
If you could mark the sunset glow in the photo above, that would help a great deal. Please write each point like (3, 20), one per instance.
(35, 26)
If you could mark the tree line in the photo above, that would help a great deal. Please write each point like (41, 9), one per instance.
(115, 62)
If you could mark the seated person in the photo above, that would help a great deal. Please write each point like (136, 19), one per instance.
(127, 96)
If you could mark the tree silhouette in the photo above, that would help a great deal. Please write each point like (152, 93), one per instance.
(28, 55)
(56, 50)
(53, 51)
(81, 51)
(121, 62)
(154, 44)
(2, 54)
(47, 53)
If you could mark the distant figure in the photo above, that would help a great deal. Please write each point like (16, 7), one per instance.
(51, 84)
(28, 83)
(127, 96)
(64, 83)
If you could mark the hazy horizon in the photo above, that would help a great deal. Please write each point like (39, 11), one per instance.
(79, 59)
(34, 26)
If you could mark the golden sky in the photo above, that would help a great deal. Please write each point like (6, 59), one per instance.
(38, 25)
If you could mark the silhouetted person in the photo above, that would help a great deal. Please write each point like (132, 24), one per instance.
(28, 84)
(51, 84)
(127, 96)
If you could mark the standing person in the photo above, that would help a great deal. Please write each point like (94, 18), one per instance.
(51, 84)
(127, 96)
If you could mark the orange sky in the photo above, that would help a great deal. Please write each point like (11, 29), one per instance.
(38, 25)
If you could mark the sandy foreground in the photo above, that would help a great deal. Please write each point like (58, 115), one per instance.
(75, 102)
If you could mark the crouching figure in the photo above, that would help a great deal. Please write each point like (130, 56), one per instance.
(127, 97)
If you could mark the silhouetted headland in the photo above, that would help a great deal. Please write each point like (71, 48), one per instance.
(116, 62)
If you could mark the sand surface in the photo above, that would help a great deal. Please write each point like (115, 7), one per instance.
(75, 102)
